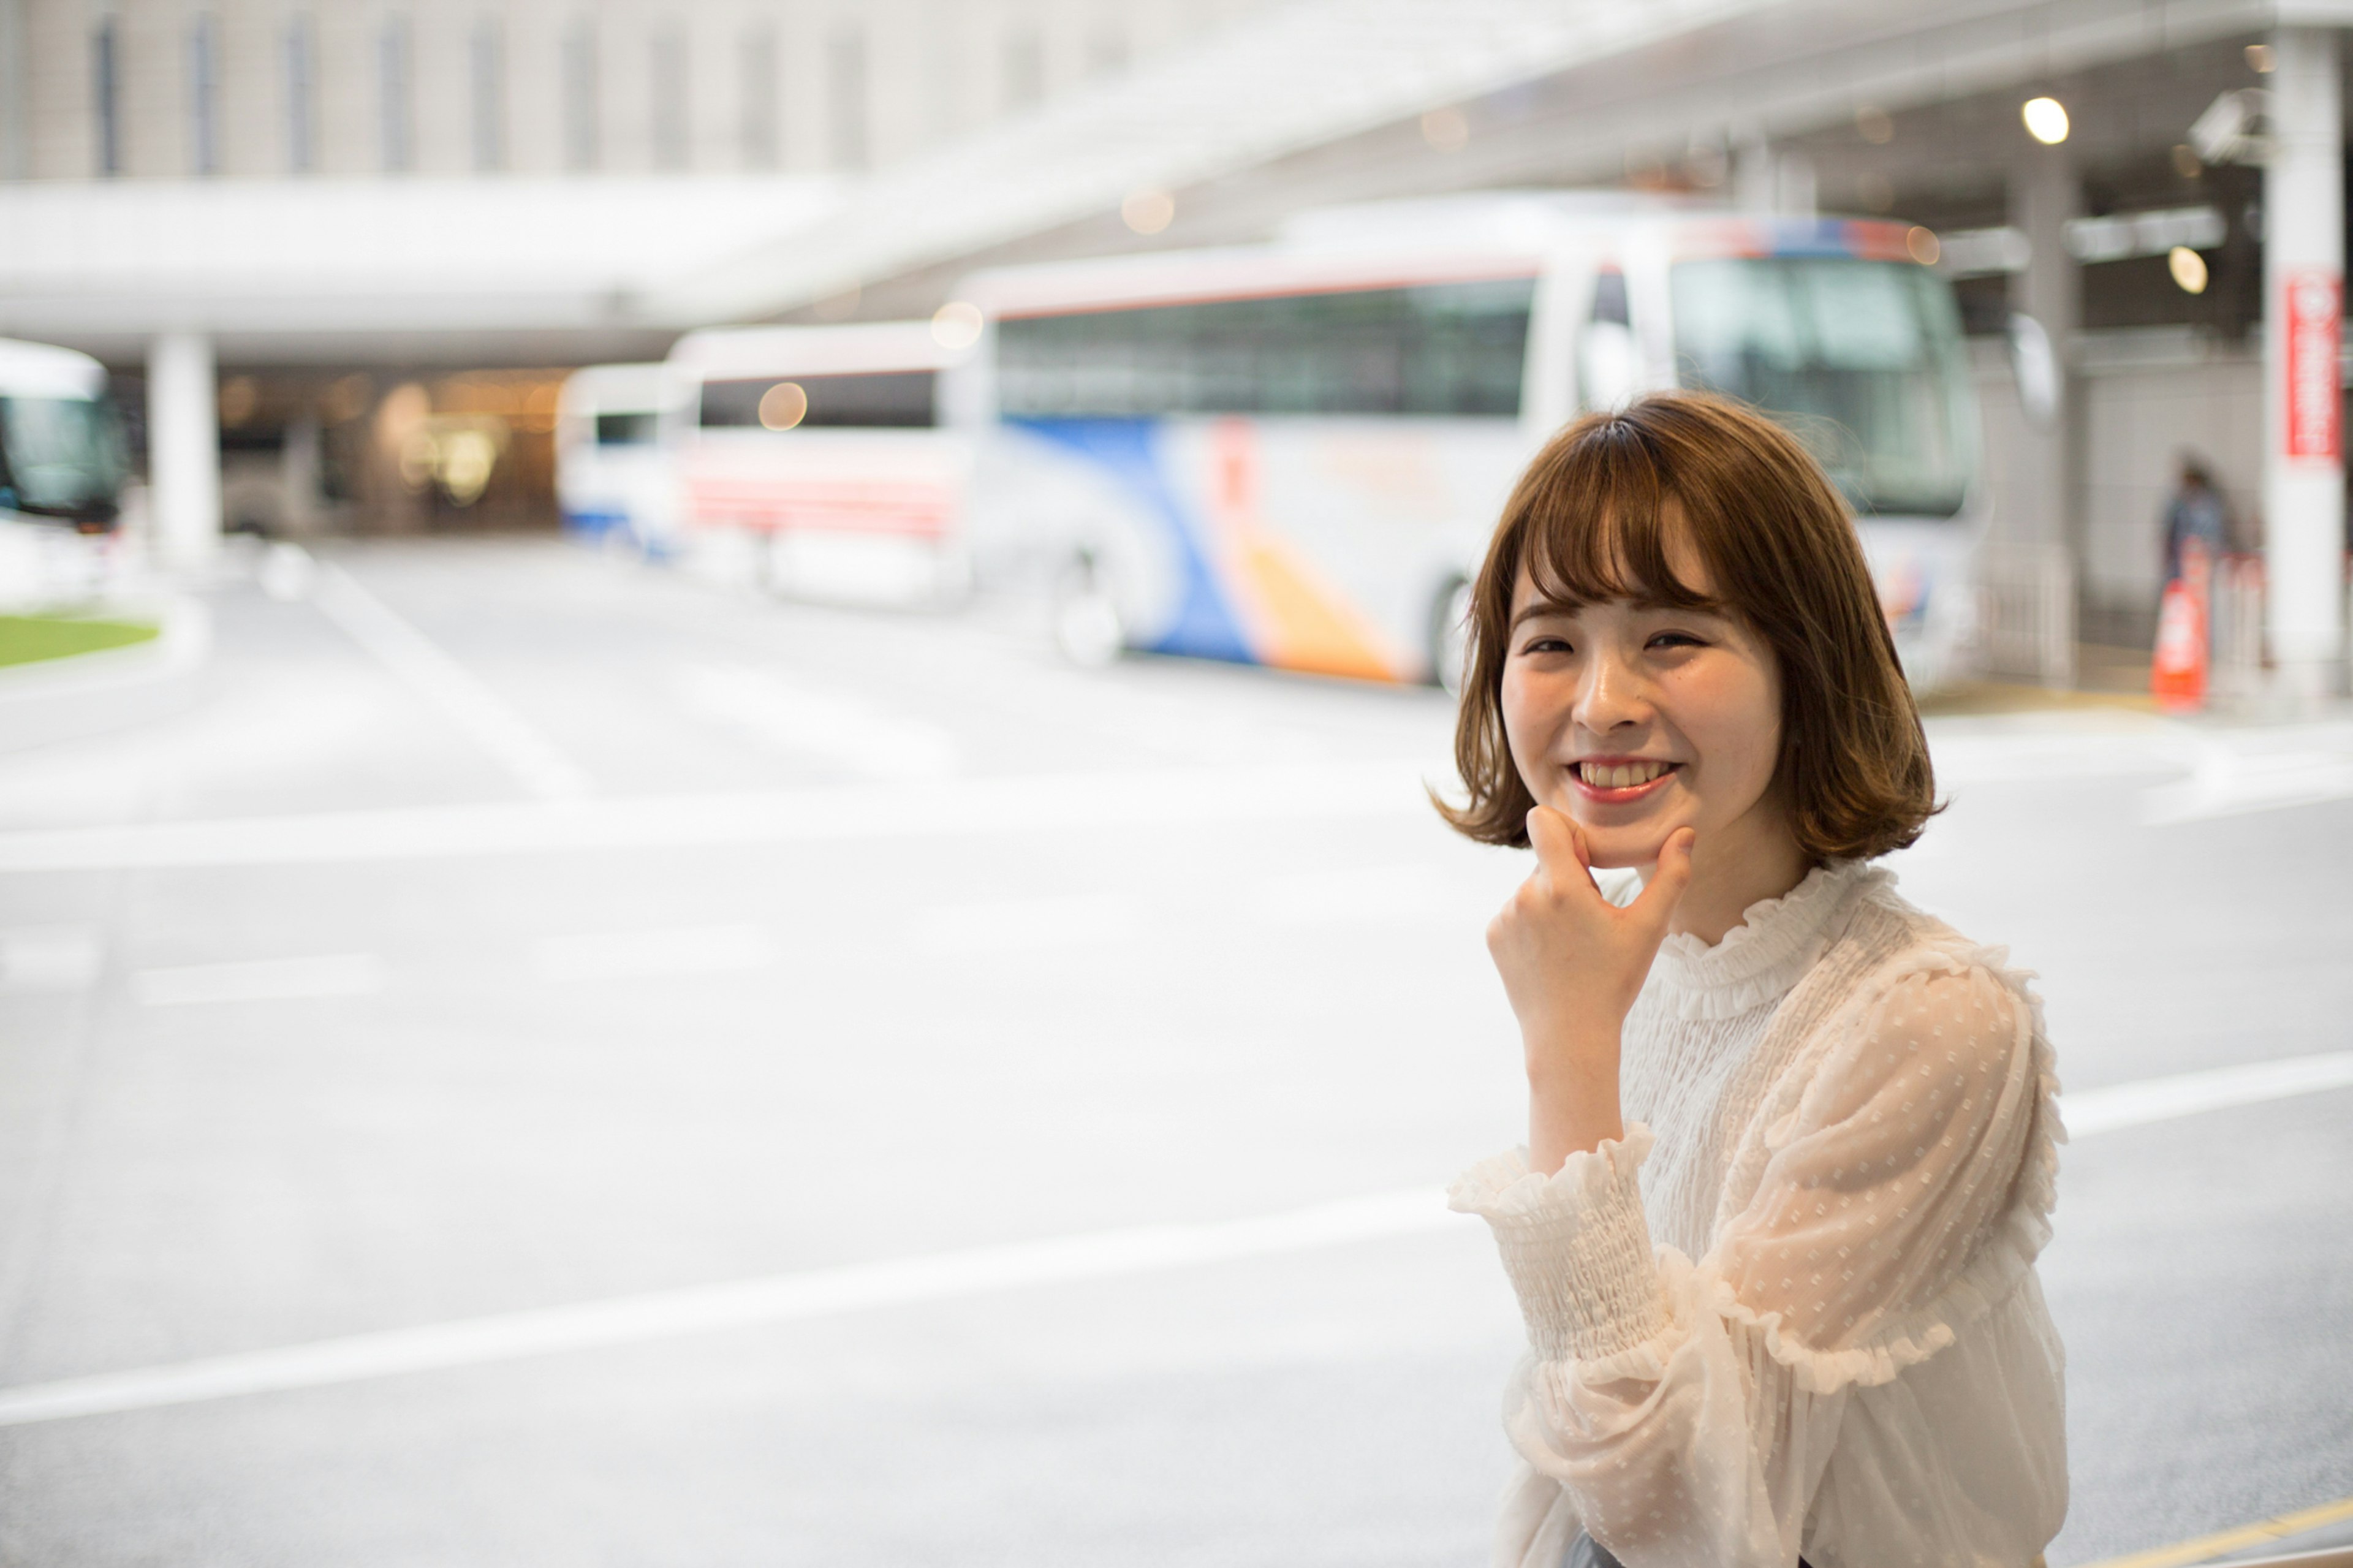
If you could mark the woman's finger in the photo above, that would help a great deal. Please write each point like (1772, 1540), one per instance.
(1666, 889)
(1560, 850)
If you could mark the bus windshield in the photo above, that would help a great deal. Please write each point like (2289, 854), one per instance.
(60, 456)
(1863, 360)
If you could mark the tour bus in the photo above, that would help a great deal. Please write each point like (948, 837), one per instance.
(1294, 454)
(816, 457)
(62, 459)
(62, 466)
(612, 477)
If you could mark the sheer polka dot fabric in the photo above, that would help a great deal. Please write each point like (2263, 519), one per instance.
(1802, 1316)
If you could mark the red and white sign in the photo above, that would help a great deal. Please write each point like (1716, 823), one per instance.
(2314, 307)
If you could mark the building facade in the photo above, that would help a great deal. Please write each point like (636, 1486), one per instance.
(168, 89)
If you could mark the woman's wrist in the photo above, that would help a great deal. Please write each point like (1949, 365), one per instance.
(1572, 1106)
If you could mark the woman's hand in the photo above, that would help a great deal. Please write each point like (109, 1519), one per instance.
(1572, 964)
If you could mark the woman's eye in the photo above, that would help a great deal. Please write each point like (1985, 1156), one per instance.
(1675, 639)
(1545, 645)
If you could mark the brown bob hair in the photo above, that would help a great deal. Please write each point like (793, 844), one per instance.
(1587, 520)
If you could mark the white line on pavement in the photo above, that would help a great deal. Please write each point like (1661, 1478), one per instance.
(421, 665)
(817, 1293)
(49, 958)
(2186, 1094)
(1048, 803)
(828, 1292)
(261, 980)
(834, 727)
(625, 955)
(1008, 925)
(2227, 785)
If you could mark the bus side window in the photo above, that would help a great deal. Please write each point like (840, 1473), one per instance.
(1607, 363)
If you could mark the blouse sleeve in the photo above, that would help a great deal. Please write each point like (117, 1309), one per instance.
(1687, 1411)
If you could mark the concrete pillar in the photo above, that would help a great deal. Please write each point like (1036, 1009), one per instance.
(300, 462)
(184, 449)
(1766, 181)
(2304, 287)
(2044, 193)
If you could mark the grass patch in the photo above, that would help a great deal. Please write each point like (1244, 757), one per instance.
(26, 638)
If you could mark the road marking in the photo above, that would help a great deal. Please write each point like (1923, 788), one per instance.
(2230, 783)
(830, 726)
(1372, 895)
(790, 1297)
(967, 1271)
(2211, 1546)
(419, 663)
(2187, 1094)
(49, 958)
(1007, 925)
(261, 980)
(625, 955)
(1048, 803)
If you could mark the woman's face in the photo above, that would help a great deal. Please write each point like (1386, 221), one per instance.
(1635, 721)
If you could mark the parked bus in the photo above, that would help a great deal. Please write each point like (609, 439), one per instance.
(63, 462)
(62, 458)
(819, 454)
(1294, 454)
(612, 477)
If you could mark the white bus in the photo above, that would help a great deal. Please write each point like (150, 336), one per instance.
(62, 459)
(63, 462)
(819, 454)
(612, 478)
(1294, 454)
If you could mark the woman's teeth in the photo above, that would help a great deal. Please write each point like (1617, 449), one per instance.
(1620, 775)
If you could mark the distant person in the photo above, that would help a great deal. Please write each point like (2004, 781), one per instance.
(2195, 513)
(1791, 1141)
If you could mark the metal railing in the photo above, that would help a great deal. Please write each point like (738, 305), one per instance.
(2026, 613)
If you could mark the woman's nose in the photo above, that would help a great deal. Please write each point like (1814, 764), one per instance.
(1611, 694)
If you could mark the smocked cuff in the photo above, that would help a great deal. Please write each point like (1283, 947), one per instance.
(1576, 1244)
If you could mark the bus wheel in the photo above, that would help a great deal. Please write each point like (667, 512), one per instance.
(1450, 635)
(1087, 623)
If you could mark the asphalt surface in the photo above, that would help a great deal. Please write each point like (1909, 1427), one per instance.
(500, 929)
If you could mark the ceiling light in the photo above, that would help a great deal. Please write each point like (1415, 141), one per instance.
(2046, 120)
(956, 324)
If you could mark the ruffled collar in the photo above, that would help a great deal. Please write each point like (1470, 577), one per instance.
(1760, 959)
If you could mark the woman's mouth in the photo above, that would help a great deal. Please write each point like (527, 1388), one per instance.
(1617, 781)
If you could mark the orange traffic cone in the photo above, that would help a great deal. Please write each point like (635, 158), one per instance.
(2176, 672)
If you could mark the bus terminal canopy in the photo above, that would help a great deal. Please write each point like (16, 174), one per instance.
(1299, 106)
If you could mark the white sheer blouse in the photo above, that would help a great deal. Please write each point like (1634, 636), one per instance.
(1794, 1309)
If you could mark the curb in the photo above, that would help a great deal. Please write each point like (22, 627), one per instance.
(90, 693)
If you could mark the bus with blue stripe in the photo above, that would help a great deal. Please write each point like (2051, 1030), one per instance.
(1294, 454)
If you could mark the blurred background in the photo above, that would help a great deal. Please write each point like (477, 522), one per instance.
(714, 723)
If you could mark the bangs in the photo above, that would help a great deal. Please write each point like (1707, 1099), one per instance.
(1598, 531)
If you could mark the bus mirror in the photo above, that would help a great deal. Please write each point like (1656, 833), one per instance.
(1606, 366)
(2034, 362)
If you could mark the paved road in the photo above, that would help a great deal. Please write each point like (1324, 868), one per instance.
(715, 1082)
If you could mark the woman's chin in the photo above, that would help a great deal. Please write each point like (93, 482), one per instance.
(1622, 851)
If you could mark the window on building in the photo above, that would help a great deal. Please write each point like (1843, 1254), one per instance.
(845, 53)
(757, 124)
(302, 96)
(580, 139)
(1435, 350)
(106, 96)
(204, 96)
(489, 64)
(1024, 69)
(396, 120)
(670, 111)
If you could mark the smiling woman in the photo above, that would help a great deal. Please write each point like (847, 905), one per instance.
(1791, 1141)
